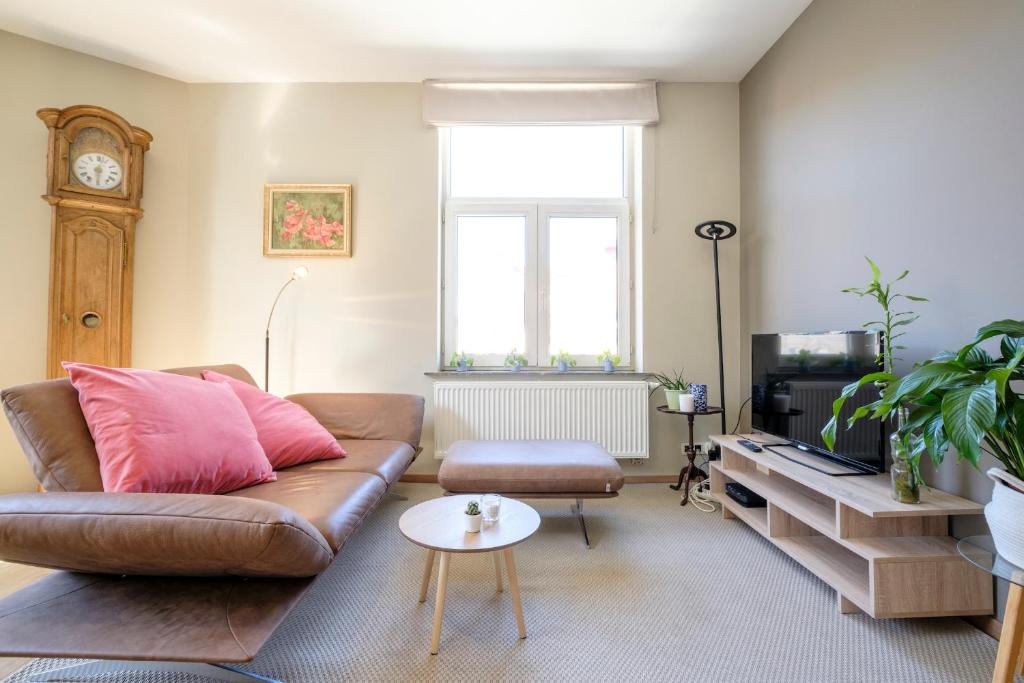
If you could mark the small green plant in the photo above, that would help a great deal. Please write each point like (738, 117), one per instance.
(460, 358)
(515, 359)
(607, 355)
(472, 508)
(671, 382)
(563, 357)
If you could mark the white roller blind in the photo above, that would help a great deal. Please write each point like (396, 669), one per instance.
(464, 103)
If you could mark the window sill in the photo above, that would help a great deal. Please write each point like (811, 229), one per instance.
(534, 375)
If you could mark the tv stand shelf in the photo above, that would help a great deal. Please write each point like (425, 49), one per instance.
(887, 559)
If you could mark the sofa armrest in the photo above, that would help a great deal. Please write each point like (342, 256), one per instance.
(160, 534)
(391, 417)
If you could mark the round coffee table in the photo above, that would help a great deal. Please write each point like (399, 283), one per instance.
(438, 526)
(981, 552)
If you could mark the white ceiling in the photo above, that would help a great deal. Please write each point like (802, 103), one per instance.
(410, 40)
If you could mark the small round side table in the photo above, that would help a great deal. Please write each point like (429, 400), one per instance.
(981, 552)
(689, 472)
(438, 526)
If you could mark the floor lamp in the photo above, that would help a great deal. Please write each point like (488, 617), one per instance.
(297, 274)
(716, 231)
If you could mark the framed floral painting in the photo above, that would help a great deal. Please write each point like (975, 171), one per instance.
(307, 220)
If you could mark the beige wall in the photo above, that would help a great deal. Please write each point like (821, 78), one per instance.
(35, 75)
(894, 129)
(368, 323)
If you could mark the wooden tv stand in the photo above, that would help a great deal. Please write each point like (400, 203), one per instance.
(888, 559)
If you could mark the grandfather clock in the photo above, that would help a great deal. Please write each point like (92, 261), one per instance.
(94, 185)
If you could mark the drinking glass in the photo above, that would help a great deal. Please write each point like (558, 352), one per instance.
(491, 505)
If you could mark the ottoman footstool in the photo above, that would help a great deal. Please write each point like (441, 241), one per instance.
(533, 469)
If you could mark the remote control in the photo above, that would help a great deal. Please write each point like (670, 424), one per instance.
(750, 445)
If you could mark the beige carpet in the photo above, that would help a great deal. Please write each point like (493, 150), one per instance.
(666, 594)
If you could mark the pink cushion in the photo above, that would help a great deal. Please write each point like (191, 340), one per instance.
(288, 433)
(156, 432)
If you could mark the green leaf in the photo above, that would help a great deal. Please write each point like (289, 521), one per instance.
(935, 440)
(976, 357)
(915, 298)
(876, 274)
(828, 432)
(1001, 376)
(902, 275)
(1009, 346)
(968, 413)
(919, 383)
(1011, 328)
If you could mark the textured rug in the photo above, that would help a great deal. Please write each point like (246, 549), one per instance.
(666, 594)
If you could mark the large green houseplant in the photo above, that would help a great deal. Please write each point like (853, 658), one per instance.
(968, 400)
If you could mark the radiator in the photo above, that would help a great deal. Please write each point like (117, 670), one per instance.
(614, 414)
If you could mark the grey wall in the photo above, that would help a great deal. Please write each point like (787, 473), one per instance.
(892, 128)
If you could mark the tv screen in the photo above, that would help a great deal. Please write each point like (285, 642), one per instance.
(796, 377)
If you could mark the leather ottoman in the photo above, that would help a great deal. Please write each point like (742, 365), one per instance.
(532, 469)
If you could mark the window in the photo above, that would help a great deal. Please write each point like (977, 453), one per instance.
(536, 242)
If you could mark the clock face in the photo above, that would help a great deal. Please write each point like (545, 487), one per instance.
(97, 170)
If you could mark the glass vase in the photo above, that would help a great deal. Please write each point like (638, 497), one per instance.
(906, 486)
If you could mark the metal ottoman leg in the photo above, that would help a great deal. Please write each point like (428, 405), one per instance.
(577, 510)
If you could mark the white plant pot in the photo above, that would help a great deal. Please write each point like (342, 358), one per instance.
(473, 523)
(686, 403)
(1005, 515)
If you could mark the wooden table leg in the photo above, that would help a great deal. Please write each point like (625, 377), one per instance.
(442, 586)
(427, 572)
(497, 571)
(1012, 637)
(513, 585)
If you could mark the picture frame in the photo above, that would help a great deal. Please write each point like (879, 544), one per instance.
(302, 220)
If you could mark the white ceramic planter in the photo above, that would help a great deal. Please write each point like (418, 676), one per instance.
(473, 522)
(686, 403)
(1005, 515)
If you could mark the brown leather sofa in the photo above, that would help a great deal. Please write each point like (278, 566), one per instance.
(157, 576)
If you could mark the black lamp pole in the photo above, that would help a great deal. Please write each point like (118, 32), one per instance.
(717, 231)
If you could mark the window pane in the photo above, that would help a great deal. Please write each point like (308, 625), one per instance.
(491, 283)
(536, 161)
(583, 284)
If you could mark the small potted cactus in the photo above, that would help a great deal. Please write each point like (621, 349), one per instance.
(609, 361)
(461, 361)
(515, 361)
(473, 517)
(563, 360)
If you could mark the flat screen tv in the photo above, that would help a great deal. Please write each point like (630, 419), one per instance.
(795, 378)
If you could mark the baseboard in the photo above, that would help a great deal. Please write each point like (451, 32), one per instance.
(989, 625)
(635, 479)
(652, 478)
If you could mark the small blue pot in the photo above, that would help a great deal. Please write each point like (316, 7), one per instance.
(608, 367)
(462, 366)
(700, 397)
(563, 366)
(515, 367)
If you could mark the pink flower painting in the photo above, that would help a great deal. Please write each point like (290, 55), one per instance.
(308, 220)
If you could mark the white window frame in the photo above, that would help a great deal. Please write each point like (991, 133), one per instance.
(537, 212)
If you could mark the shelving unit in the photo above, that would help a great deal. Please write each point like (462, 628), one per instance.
(887, 559)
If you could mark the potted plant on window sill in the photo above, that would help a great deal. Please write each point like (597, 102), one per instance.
(461, 361)
(675, 386)
(515, 361)
(967, 400)
(609, 361)
(563, 360)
